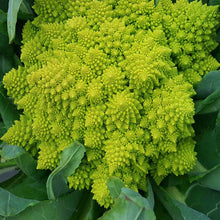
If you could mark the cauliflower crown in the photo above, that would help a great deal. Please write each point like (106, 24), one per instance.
(117, 76)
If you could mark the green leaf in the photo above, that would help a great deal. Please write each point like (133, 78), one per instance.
(11, 151)
(203, 199)
(160, 211)
(212, 179)
(30, 188)
(168, 203)
(70, 160)
(25, 11)
(13, 8)
(207, 134)
(28, 165)
(95, 211)
(83, 207)
(199, 172)
(208, 88)
(130, 205)
(11, 205)
(189, 213)
(61, 208)
(172, 180)
(87, 209)
(210, 104)
(23, 159)
(150, 193)
(208, 84)
(8, 111)
(215, 213)
(177, 209)
(114, 185)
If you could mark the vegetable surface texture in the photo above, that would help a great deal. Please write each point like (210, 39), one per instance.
(119, 77)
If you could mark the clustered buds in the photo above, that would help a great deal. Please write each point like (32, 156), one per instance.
(118, 76)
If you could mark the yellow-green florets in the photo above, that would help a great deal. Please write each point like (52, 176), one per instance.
(117, 76)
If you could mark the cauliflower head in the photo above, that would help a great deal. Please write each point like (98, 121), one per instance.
(118, 76)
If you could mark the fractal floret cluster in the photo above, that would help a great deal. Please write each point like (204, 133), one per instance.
(118, 76)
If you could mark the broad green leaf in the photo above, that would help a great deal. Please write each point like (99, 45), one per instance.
(160, 211)
(203, 199)
(95, 211)
(30, 188)
(209, 104)
(25, 11)
(130, 205)
(8, 111)
(88, 209)
(11, 151)
(207, 134)
(114, 185)
(208, 156)
(70, 160)
(23, 159)
(177, 209)
(59, 209)
(11, 205)
(212, 179)
(199, 172)
(28, 165)
(13, 8)
(215, 213)
(167, 202)
(208, 84)
(84, 206)
(150, 193)
(172, 180)
(189, 213)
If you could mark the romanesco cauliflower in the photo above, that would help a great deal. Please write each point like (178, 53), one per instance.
(117, 76)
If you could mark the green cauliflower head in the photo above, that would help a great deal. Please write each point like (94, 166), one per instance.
(117, 76)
